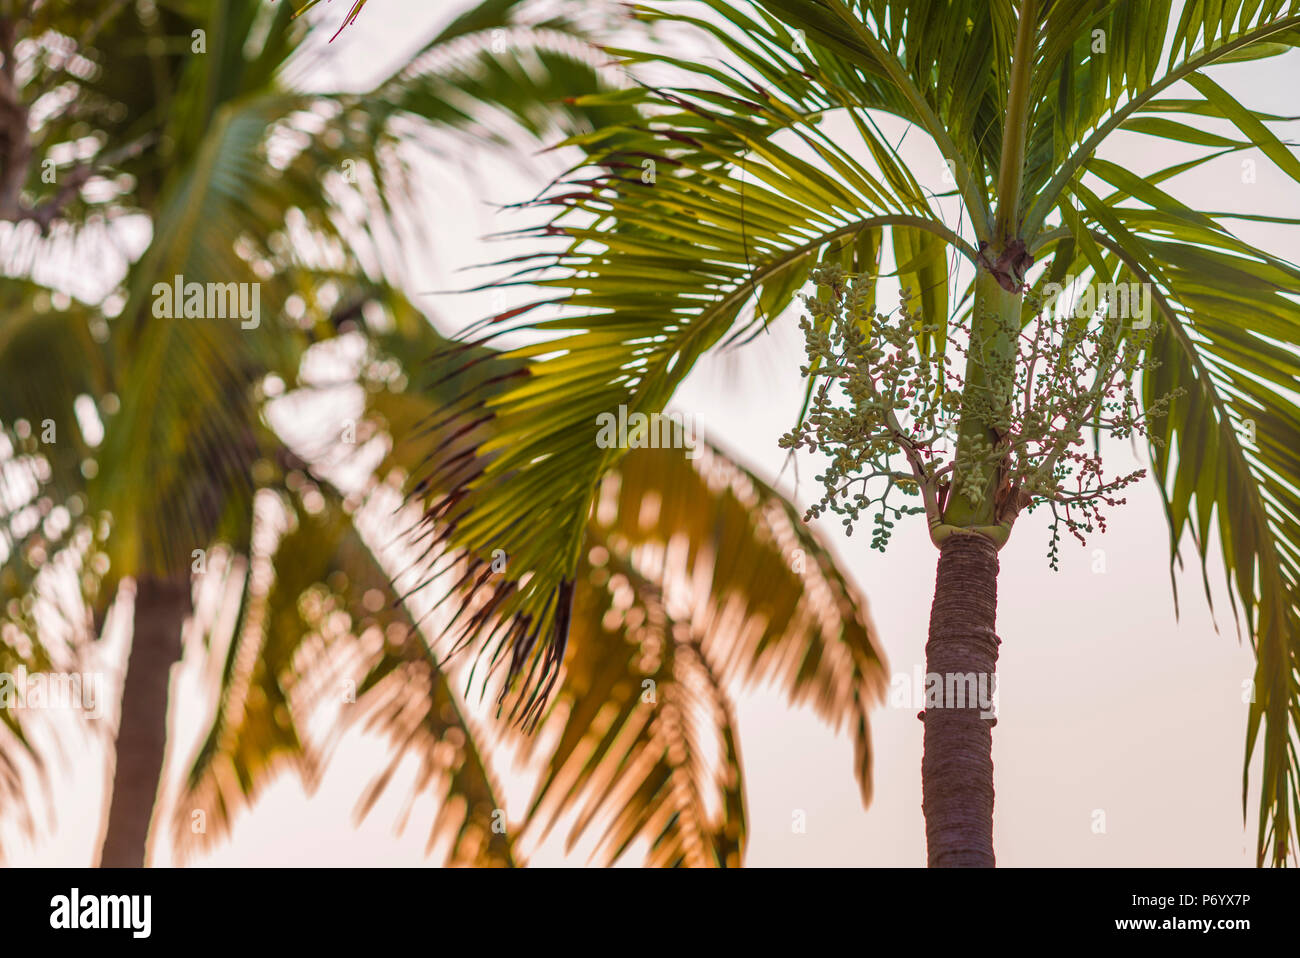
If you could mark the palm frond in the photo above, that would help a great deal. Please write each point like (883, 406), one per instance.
(696, 577)
(705, 251)
(1229, 331)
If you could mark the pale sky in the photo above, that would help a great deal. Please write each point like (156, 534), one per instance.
(1108, 704)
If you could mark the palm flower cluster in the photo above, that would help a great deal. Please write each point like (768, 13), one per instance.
(891, 400)
(887, 405)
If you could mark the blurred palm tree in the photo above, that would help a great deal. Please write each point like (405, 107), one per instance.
(695, 575)
(693, 226)
(187, 139)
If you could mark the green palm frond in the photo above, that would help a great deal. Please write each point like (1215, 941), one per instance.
(1098, 93)
(1226, 452)
(231, 202)
(1229, 327)
(706, 250)
(695, 577)
(249, 209)
(502, 72)
(353, 12)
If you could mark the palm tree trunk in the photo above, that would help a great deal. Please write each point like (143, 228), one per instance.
(962, 652)
(161, 607)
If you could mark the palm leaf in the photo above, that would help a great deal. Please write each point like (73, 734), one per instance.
(705, 253)
(694, 576)
(703, 576)
(1227, 343)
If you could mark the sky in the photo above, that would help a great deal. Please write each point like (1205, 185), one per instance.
(1121, 726)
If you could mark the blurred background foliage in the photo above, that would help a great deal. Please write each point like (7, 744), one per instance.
(148, 139)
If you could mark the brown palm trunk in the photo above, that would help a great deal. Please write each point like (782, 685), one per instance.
(962, 652)
(161, 607)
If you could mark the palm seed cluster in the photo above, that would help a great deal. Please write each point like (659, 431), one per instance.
(888, 406)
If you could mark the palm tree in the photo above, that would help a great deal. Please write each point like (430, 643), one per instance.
(695, 575)
(693, 226)
(189, 478)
